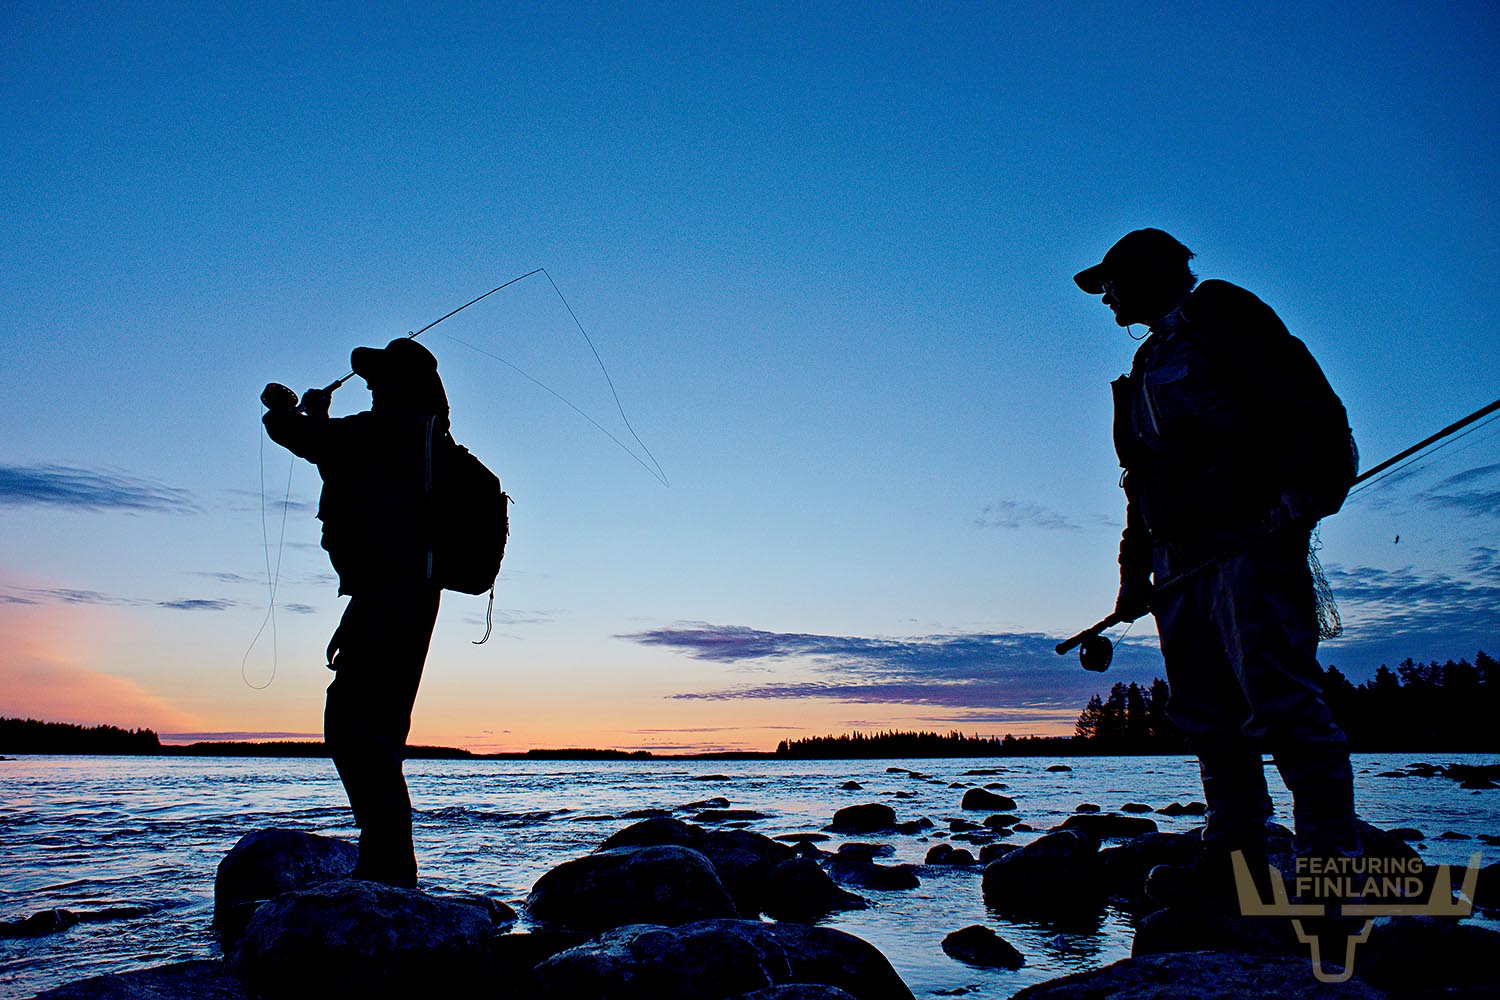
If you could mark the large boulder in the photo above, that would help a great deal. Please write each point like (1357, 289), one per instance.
(266, 863)
(197, 980)
(744, 861)
(630, 885)
(1055, 874)
(800, 890)
(1204, 928)
(1124, 867)
(871, 817)
(656, 832)
(1200, 975)
(715, 960)
(1410, 956)
(357, 936)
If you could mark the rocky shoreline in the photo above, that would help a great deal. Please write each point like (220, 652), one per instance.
(671, 909)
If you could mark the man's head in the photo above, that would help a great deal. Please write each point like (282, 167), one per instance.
(1142, 277)
(402, 373)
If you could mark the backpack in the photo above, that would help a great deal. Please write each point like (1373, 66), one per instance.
(470, 518)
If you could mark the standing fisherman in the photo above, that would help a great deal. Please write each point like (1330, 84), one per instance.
(1233, 445)
(376, 514)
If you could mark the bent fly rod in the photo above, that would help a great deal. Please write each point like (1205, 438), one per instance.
(1095, 651)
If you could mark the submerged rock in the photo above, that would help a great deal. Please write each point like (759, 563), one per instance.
(39, 924)
(266, 863)
(978, 945)
(1136, 807)
(666, 884)
(1059, 768)
(715, 960)
(352, 935)
(866, 874)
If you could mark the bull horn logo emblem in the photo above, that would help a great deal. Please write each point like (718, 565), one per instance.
(1440, 903)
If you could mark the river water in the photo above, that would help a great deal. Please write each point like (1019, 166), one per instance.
(95, 834)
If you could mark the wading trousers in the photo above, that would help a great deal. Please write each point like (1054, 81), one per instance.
(377, 654)
(1240, 643)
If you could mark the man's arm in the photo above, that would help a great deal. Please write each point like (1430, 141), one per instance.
(1135, 563)
(302, 431)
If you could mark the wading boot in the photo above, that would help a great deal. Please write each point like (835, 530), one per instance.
(1208, 881)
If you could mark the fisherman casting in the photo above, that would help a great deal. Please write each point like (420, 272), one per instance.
(377, 514)
(1233, 446)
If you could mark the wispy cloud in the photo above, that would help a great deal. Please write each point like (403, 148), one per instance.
(1016, 515)
(962, 671)
(1474, 491)
(88, 489)
(74, 596)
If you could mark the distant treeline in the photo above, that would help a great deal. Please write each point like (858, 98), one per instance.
(1418, 707)
(896, 745)
(35, 736)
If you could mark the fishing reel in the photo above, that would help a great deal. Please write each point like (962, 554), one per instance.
(276, 396)
(1096, 653)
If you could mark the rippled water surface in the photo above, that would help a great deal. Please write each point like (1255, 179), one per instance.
(132, 842)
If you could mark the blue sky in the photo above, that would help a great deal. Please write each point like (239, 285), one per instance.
(825, 252)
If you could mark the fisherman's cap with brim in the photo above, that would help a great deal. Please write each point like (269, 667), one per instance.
(401, 358)
(1141, 251)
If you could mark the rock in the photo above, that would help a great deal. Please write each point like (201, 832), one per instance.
(39, 924)
(1124, 867)
(1086, 807)
(744, 861)
(851, 786)
(996, 786)
(797, 991)
(1059, 768)
(715, 960)
(957, 784)
(1200, 975)
(199, 980)
(1001, 821)
(1023, 828)
(728, 815)
(655, 832)
(904, 795)
(1107, 826)
(994, 852)
(266, 863)
(982, 798)
(1478, 783)
(667, 885)
(1172, 809)
(1490, 839)
(800, 890)
(1429, 956)
(914, 826)
(864, 852)
(897, 770)
(979, 945)
(356, 936)
(513, 956)
(1392, 774)
(1136, 807)
(962, 826)
(1057, 873)
(1407, 833)
(1195, 809)
(803, 838)
(866, 874)
(717, 802)
(645, 814)
(979, 772)
(1450, 835)
(710, 777)
(946, 854)
(872, 817)
(1180, 929)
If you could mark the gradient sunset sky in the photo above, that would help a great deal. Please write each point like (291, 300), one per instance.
(826, 254)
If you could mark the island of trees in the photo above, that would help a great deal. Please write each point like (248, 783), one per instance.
(1418, 707)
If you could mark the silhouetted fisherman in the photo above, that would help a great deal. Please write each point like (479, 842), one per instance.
(375, 510)
(1232, 444)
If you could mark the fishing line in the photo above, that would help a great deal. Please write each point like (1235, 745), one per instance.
(273, 577)
(569, 403)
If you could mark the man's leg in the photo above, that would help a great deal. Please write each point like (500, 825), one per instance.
(1270, 634)
(384, 640)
